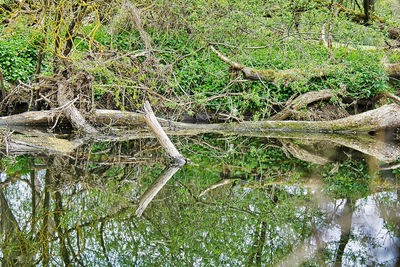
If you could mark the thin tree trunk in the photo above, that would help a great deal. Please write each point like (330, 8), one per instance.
(3, 88)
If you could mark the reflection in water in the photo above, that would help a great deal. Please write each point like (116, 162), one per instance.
(245, 201)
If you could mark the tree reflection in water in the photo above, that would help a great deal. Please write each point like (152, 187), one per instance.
(245, 201)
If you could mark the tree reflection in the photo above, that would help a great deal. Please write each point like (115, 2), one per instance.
(243, 204)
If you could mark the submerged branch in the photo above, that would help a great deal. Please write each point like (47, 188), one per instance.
(216, 185)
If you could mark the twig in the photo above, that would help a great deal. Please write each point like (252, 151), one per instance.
(188, 55)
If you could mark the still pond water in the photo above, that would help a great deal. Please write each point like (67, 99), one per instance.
(245, 201)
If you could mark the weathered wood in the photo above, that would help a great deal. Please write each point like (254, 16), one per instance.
(162, 136)
(117, 117)
(31, 118)
(387, 116)
(303, 101)
(71, 112)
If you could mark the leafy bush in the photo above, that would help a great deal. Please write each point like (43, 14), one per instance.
(18, 58)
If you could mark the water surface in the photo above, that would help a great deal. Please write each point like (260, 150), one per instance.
(269, 200)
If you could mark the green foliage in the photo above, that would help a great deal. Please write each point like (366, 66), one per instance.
(348, 180)
(18, 58)
(19, 165)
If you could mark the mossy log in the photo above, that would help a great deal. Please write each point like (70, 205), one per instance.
(275, 76)
(387, 116)
(291, 75)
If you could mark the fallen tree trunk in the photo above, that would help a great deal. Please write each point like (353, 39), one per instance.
(383, 151)
(387, 116)
(31, 118)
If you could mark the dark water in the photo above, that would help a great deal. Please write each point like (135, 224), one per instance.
(246, 201)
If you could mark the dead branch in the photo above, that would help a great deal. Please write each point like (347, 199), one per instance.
(387, 116)
(275, 76)
(303, 101)
(395, 98)
(161, 136)
(216, 185)
(71, 112)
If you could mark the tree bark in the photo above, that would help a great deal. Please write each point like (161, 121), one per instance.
(303, 101)
(387, 116)
(162, 136)
(71, 112)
